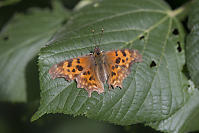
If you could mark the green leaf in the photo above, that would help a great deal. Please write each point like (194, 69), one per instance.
(186, 119)
(8, 2)
(192, 41)
(20, 41)
(155, 89)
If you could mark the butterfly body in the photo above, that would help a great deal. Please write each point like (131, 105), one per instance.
(100, 62)
(94, 70)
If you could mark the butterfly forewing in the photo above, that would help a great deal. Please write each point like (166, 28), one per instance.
(70, 69)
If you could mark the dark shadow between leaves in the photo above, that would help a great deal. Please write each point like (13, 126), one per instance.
(11, 116)
(186, 72)
(32, 80)
(185, 25)
(140, 128)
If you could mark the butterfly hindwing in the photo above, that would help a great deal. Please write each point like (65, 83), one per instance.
(89, 80)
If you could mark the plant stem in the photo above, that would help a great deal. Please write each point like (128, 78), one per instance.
(182, 11)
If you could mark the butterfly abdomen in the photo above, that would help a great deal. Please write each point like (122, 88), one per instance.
(100, 70)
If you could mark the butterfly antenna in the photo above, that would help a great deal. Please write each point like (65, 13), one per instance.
(101, 34)
(94, 39)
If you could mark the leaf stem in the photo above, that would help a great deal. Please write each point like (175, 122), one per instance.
(182, 11)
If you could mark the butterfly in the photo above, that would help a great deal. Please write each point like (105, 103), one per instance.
(92, 71)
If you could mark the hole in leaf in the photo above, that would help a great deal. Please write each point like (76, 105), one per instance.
(153, 64)
(175, 31)
(141, 37)
(179, 48)
(6, 38)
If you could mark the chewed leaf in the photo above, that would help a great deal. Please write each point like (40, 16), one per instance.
(154, 90)
(20, 42)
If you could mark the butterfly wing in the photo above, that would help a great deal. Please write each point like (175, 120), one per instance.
(118, 65)
(70, 69)
(81, 69)
(90, 81)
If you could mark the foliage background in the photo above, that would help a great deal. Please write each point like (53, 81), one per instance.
(15, 114)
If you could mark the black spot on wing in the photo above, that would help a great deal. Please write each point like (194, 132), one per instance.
(116, 53)
(70, 62)
(123, 52)
(118, 60)
(78, 60)
(113, 67)
(88, 72)
(113, 73)
(73, 70)
(91, 78)
(79, 68)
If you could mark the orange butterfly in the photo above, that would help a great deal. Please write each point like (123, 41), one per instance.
(93, 70)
